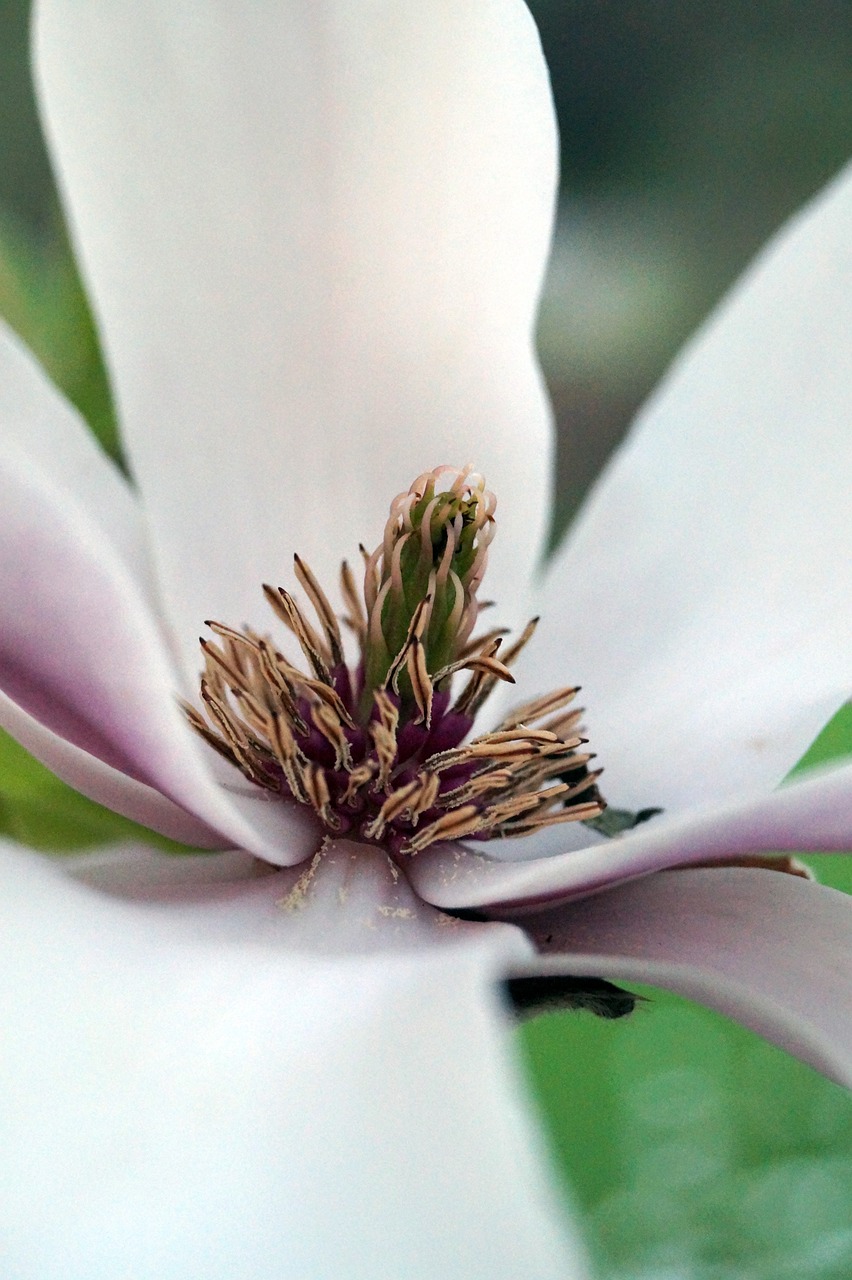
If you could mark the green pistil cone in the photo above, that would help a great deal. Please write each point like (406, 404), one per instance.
(434, 551)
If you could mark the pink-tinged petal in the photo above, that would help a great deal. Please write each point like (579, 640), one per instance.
(82, 652)
(315, 253)
(39, 425)
(188, 1091)
(772, 951)
(103, 783)
(702, 600)
(815, 814)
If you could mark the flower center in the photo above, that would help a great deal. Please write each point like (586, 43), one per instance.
(381, 749)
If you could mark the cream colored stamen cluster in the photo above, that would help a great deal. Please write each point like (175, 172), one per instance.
(381, 750)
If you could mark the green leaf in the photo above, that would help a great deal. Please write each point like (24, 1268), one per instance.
(613, 821)
(42, 298)
(38, 810)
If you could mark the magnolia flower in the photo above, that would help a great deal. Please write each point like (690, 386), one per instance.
(314, 238)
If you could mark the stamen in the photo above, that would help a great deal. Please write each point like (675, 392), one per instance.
(480, 784)
(430, 790)
(236, 739)
(481, 643)
(451, 826)
(282, 691)
(562, 725)
(322, 608)
(379, 748)
(482, 661)
(356, 619)
(419, 622)
(383, 733)
(289, 756)
(539, 707)
(481, 688)
(331, 697)
(236, 678)
(421, 685)
(331, 728)
(396, 802)
(309, 642)
(521, 642)
(317, 791)
(580, 813)
(359, 779)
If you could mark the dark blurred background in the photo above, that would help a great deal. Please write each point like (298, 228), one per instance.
(690, 130)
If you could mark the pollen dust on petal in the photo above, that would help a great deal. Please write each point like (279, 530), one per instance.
(296, 899)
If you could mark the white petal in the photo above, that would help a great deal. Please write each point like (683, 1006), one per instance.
(770, 950)
(814, 813)
(82, 652)
(315, 236)
(703, 599)
(351, 899)
(186, 1094)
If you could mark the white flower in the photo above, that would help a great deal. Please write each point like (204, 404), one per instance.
(314, 236)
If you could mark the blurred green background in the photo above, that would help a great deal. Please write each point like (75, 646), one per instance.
(690, 130)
